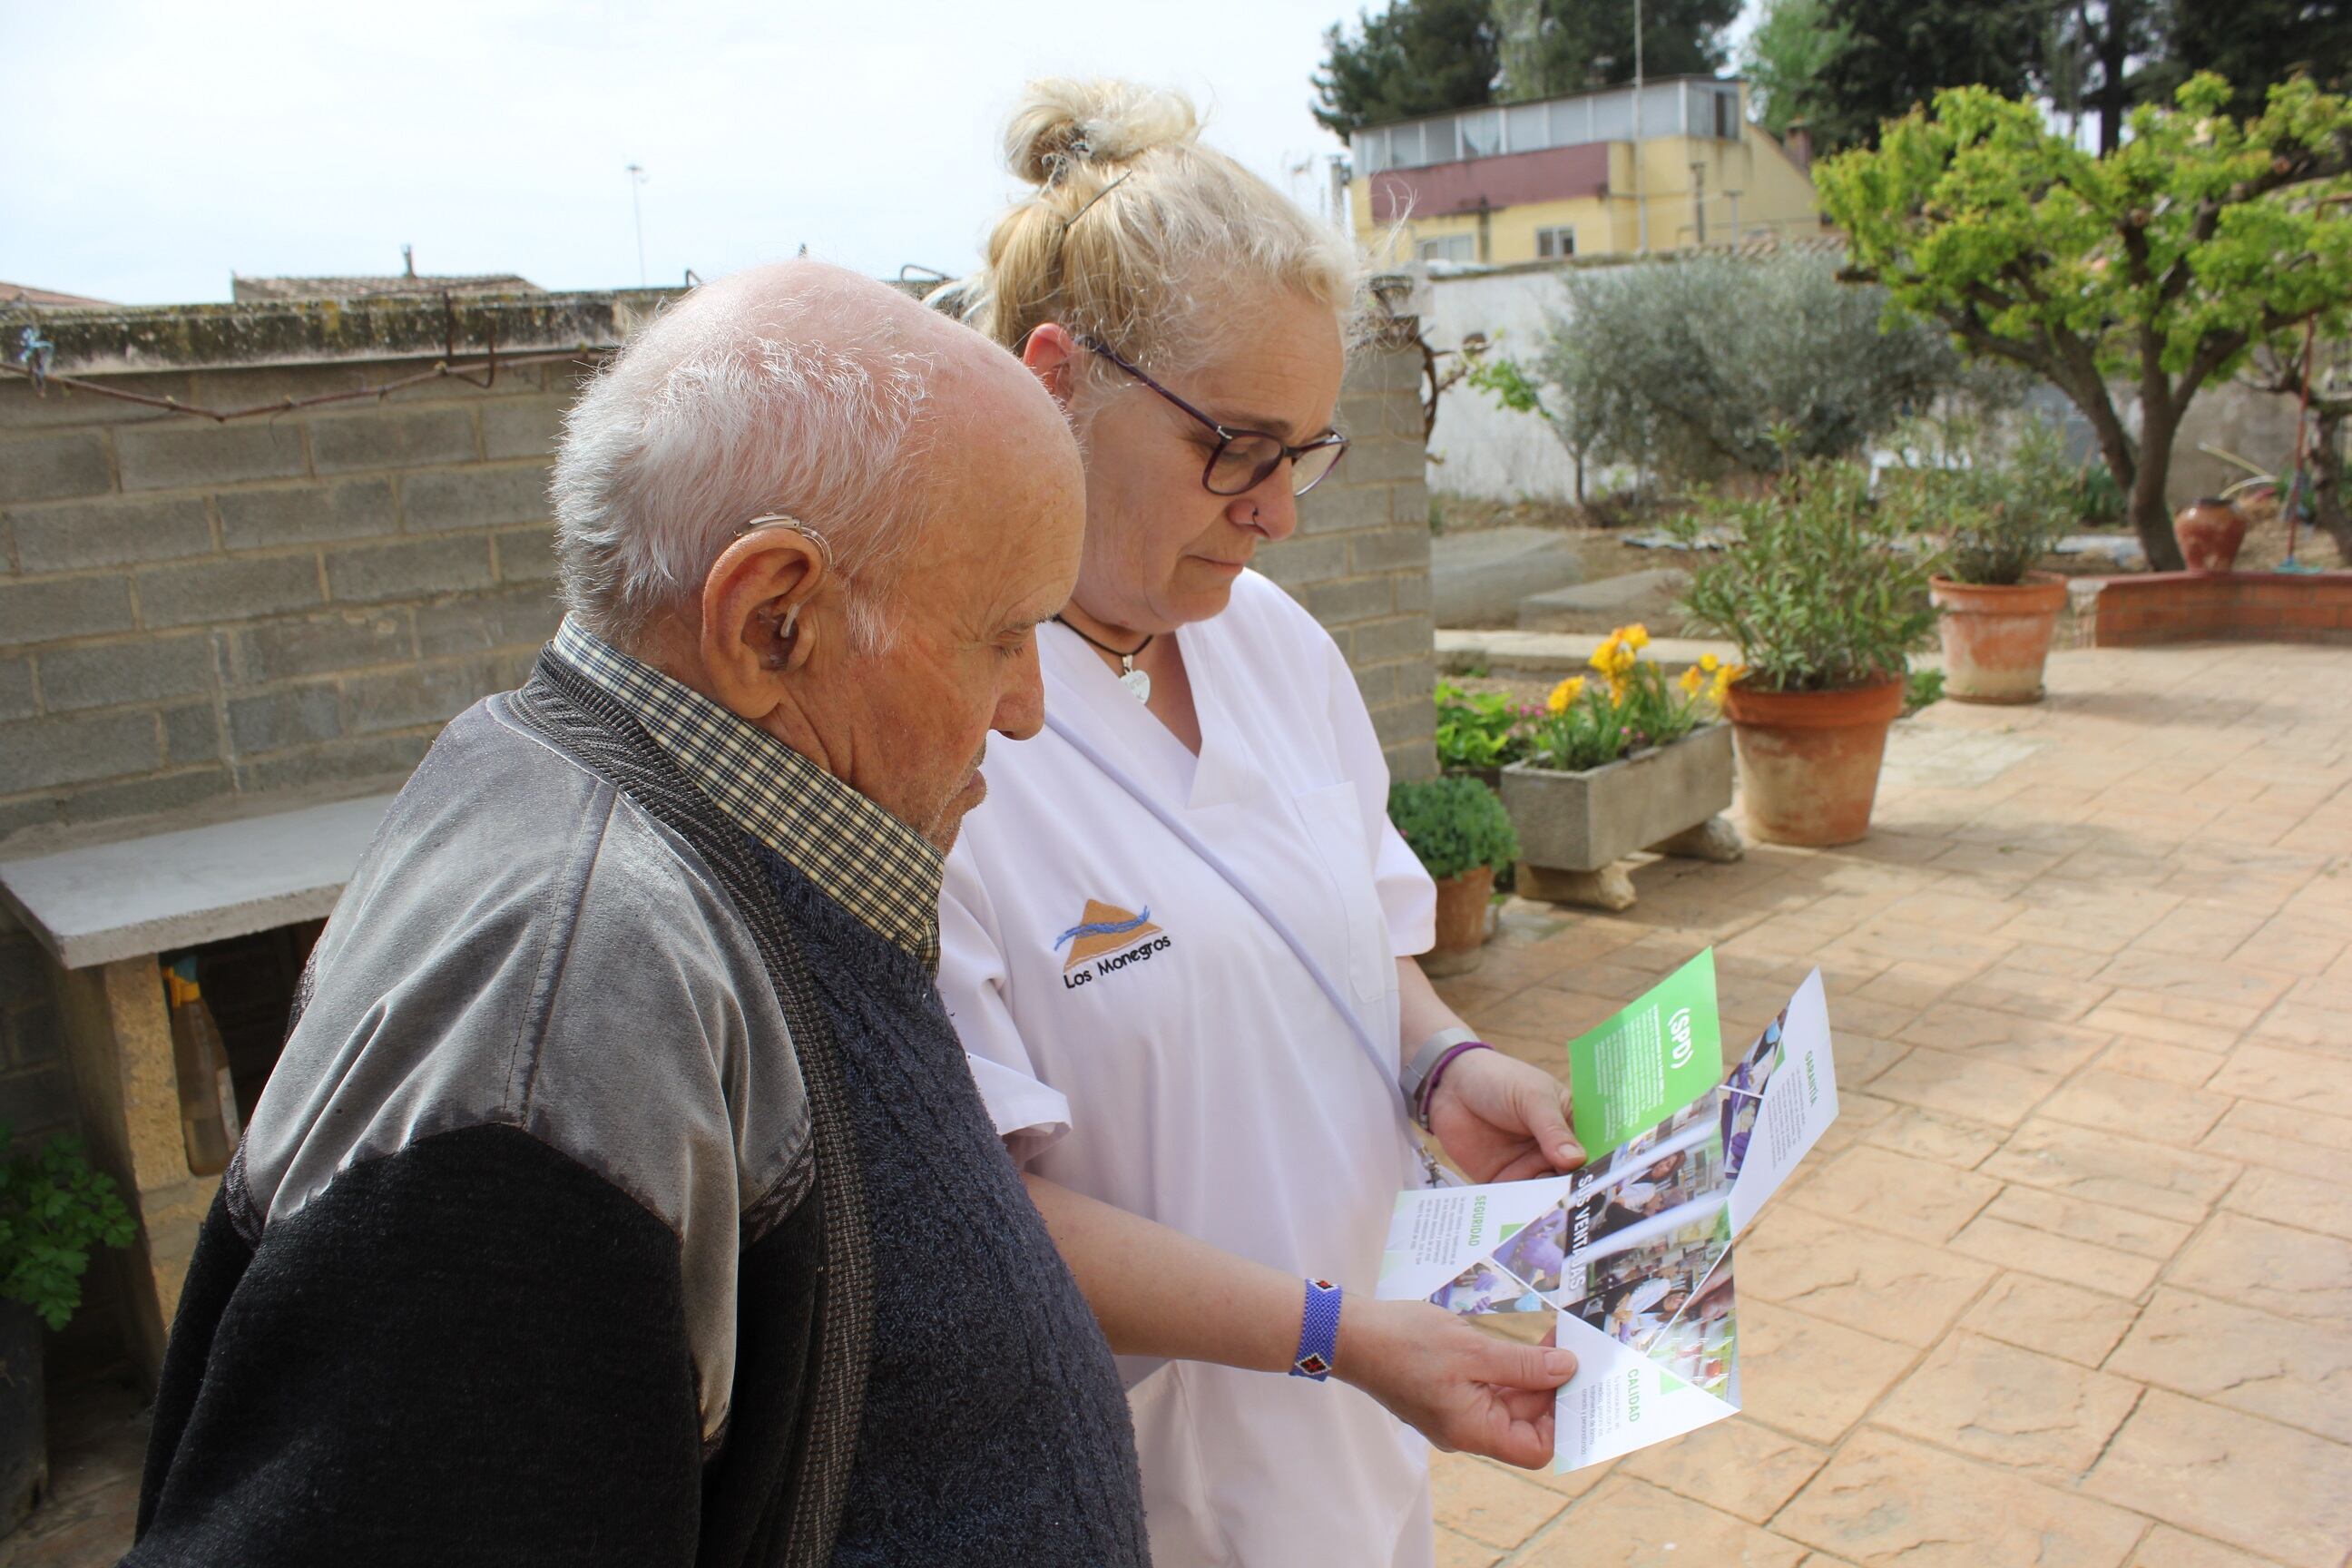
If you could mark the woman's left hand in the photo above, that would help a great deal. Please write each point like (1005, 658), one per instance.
(1503, 1121)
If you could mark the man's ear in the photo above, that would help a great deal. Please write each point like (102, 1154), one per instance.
(1052, 356)
(757, 624)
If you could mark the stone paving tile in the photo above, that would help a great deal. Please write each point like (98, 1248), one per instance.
(2293, 1273)
(1810, 1378)
(1886, 1499)
(2008, 1038)
(2125, 1230)
(1632, 1524)
(2285, 1140)
(2197, 979)
(2297, 1374)
(1930, 1135)
(2135, 1106)
(2287, 1078)
(1455, 1551)
(2249, 1482)
(2169, 1548)
(2306, 1203)
(1860, 1057)
(1866, 1279)
(1996, 1401)
(1948, 1081)
(1915, 1198)
(2129, 1024)
(1741, 1467)
(2102, 1167)
(2160, 1059)
(2062, 1258)
(1491, 1504)
(2063, 1321)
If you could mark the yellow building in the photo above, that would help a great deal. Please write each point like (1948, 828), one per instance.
(1595, 173)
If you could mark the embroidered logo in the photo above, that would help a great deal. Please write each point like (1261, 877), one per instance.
(1105, 940)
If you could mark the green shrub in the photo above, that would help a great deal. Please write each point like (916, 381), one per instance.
(1816, 589)
(54, 1209)
(1454, 825)
(1925, 688)
(1992, 514)
(1632, 709)
(1476, 732)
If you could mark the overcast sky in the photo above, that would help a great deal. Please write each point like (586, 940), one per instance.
(155, 148)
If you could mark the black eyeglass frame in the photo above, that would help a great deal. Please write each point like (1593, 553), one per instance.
(1227, 435)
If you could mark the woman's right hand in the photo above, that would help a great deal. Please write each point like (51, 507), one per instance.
(1456, 1386)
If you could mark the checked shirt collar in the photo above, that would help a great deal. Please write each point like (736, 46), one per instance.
(858, 855)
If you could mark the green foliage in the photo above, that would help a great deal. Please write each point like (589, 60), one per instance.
(53, 1210)
(1994, 513)
(2167, 263)
(1815, 590)
(2095, 497)
(1922, 688)
(1783, 60)
(1506, 381)
(1478, 732)
(1633, 709)
(1454, 825)
(1554, 47)
(1893, 54)
(1418, 57)
(1693, 370)
(2256, 44)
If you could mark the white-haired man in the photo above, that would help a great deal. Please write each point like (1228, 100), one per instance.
(621, 1195)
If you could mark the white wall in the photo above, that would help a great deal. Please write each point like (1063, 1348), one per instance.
(1479, 449)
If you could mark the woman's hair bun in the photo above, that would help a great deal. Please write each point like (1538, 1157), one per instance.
(1061, 122)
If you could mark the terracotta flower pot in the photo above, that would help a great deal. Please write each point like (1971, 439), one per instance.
(2210, 530)
(1996, 638)
(1809, 760)
(1461, 921)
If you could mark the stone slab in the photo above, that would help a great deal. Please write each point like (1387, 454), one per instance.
(1556, 654)
(1645, 598)
(1482, 575)
(142, 895)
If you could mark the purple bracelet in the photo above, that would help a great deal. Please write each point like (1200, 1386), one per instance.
(1428, 1084)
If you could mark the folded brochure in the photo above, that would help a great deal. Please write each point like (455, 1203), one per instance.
(1633, 1253)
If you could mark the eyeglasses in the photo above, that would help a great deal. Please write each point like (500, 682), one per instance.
(1243, 457)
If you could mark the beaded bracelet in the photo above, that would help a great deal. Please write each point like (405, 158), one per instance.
(1428, 1084)
(1318, 1332)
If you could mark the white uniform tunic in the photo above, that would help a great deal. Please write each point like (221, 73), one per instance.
(1146, 1037)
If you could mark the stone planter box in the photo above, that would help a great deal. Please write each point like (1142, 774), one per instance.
(1574, 828)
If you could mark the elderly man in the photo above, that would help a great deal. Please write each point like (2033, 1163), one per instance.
(623, 1196)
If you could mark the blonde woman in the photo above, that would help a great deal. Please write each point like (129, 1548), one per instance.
(1177, 943)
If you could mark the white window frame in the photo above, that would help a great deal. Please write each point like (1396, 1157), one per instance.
(1551, 234)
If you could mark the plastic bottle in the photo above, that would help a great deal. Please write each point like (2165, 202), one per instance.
(208, 1118)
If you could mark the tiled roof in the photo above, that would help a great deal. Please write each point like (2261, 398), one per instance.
(255, 290)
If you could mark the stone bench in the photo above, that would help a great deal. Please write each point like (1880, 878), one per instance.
(102, 912)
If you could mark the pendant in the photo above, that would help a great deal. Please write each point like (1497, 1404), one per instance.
(1137, 681)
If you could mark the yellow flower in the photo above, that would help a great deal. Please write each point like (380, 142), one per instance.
(1564, 695)
(1635, 637)
(1723, 681)
(1709, 663)
(1693, 679)
(1605, 657)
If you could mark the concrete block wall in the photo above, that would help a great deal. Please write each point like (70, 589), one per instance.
(193, 610)
(1359, 560)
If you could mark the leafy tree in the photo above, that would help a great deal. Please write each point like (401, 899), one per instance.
(1893, 55)
(1418, 57)
(2104, 56)
(1698, 369)
(1576, 45)
(2164, 264)
(1783, 60)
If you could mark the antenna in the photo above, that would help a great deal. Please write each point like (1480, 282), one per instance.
(408, 261)
(638, 176)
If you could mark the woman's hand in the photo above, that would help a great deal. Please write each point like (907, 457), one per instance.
(1457, 1386)
(1503, 1121)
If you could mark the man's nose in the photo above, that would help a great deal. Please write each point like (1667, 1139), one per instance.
(1021, 709)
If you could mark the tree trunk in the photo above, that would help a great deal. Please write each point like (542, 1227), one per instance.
(2326, 483)
(2151, 511)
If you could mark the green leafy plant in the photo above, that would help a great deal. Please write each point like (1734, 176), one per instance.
(1476, 731)
(1631, 707)
(1817, 589)
(1454, 825)
(54, 1210)
(1924, 688)
(1992, 514)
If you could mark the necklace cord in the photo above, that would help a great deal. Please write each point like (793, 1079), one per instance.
(1149, 638)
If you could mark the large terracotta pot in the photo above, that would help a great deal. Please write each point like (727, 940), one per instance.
(1996, 638)
(1461, 921)
(2210, 530)
(1809, 760)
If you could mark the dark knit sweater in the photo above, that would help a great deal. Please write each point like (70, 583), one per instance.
(991, 1410)
(580, 1222)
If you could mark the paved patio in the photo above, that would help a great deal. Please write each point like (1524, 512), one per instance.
(2070, 1282)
